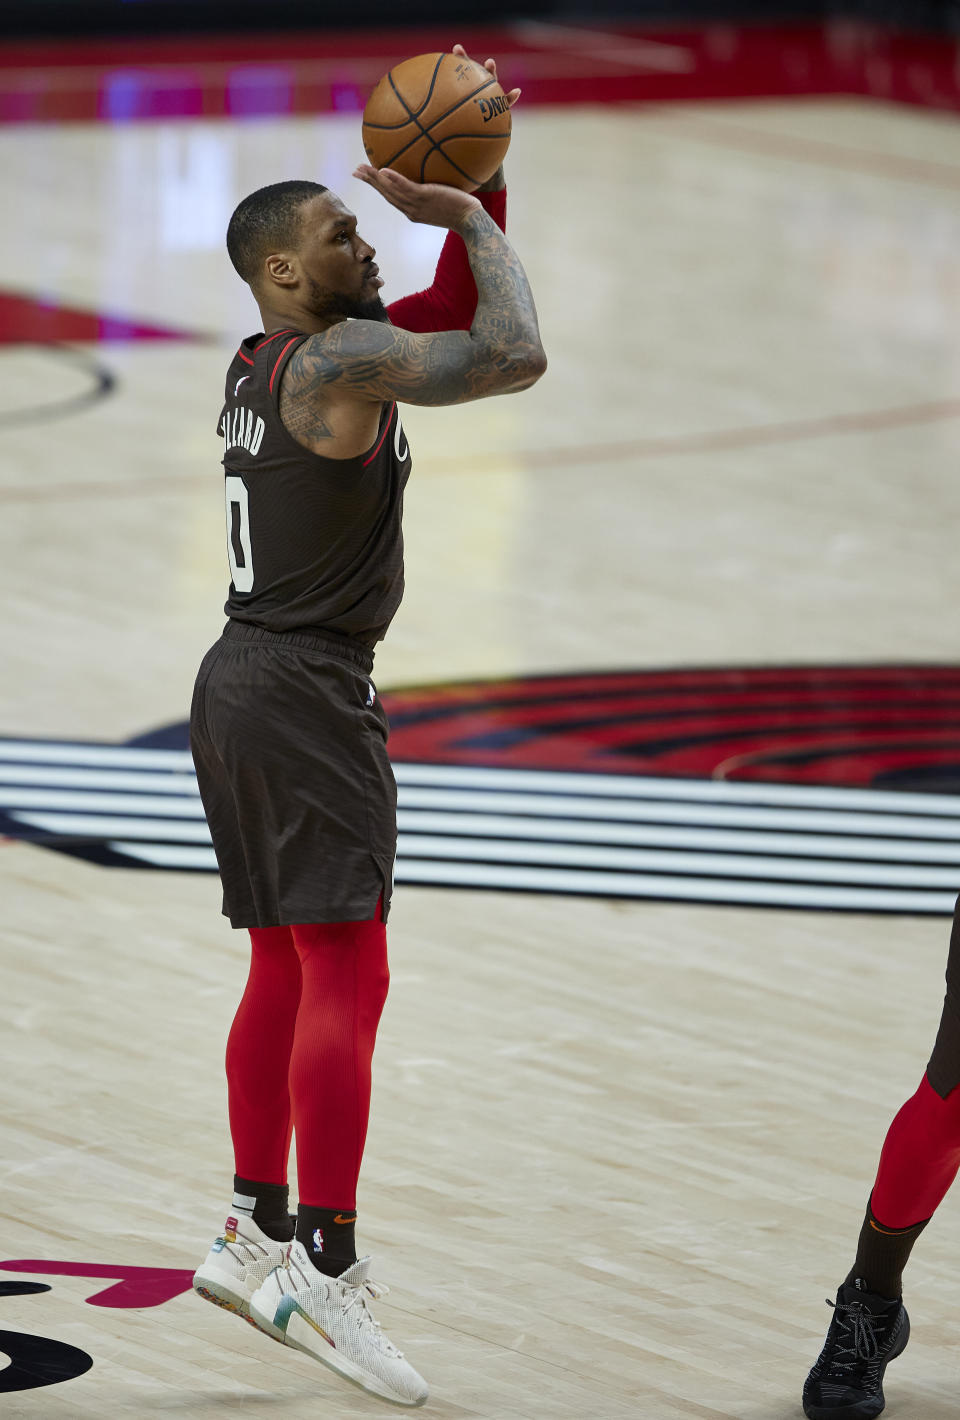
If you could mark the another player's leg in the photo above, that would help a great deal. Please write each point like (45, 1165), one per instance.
(918, 1163)
(258, 1226)
(319, 1302)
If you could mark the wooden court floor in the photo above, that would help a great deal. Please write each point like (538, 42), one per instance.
(619, 1151)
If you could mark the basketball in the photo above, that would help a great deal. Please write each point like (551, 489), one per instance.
(438, 118)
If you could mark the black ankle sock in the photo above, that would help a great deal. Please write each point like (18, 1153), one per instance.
(328, 1236)
(882, 1255)
(268, 1207)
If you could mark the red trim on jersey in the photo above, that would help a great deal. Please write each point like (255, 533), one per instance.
(280, 357)
(245, 358)
(275, 336)
(372, 456)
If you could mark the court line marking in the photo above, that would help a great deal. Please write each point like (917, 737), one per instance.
(536, 852)
(108, 767)
(642, 886)
(818, 151)
(94, 766)
(132, 820)
(103, 384)
(755, 845)
(576, 455)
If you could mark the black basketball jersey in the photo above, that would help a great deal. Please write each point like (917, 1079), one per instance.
(313, 543)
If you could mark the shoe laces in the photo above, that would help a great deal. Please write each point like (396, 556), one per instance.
(354, 1298)
(245, 1250)
(858, 1338)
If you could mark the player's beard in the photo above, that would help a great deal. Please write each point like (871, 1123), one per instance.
(337, 305)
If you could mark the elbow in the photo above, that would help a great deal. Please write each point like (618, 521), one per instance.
(537, 363)
(525, 367)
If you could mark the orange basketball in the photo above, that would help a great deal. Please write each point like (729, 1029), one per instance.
(438, 118)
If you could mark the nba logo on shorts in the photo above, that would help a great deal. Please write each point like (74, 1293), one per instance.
(317, 1240)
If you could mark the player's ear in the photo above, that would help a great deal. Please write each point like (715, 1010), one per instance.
(281, 269)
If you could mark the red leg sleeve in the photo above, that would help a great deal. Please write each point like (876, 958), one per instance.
(920, 1158)
(258, 1057)
(345, 979)
(451, 302)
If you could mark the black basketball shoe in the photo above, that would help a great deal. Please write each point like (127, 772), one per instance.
(866, 1333)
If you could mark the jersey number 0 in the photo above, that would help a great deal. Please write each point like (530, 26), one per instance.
(238, 533)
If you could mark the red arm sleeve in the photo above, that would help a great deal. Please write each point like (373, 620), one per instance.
(451, 302)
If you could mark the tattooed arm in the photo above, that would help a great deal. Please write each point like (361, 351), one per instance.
(500, 353)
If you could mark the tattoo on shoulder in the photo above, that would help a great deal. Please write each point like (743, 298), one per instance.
(302, 406)
(374, 360)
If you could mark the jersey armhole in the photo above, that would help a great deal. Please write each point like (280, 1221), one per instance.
(275, 379)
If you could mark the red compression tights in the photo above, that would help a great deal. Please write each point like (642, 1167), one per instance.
(299, 1055)
(920, 1158)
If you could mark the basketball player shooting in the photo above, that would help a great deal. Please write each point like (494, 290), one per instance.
(288, 735)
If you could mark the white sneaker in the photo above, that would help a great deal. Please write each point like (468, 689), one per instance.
(236, 1264)
(329, 1318)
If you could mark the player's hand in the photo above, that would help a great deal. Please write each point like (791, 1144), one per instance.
(497, 183)
(432, 202)
(491, 67)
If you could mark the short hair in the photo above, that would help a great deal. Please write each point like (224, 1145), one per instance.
(267, 221)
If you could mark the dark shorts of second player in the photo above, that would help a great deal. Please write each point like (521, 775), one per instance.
(290, 745)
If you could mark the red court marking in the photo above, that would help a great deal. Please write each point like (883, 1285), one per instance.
(34, 320)
(134, 1287)
(841, 725)
(315, 72)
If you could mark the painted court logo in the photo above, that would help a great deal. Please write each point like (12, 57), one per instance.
(798, 787)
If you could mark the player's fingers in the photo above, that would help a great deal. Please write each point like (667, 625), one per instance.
(512, 97)
(397, 184)
(387, 189)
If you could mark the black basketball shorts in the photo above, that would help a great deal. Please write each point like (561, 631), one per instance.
(943, 1070)
(290, 745)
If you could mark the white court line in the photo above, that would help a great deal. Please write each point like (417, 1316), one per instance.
(653, 811)
(21, 752)
(646, 886)
(125, 756)
(910, 850)
(677, 889)
(531, 851)
(663, 787)
(819, 863)
(65, 778)
(688, 864)
(168, 821)
(96, 827)
(543, 806)
(163, 855)
(172, 807)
